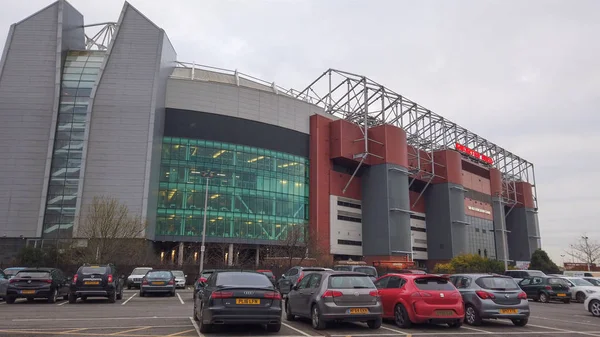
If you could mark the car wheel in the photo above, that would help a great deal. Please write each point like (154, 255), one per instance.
(10, 299)
(316, 319)
(593, 307)
(204, 328)
(52, 297)
(72, 299)
(274, 327)
(455, 325)
(520, 322)
(374, 324)
(543, 298)
(580, 297)
(567, 301)
(472, 316)
(288, 312)
(112, 297)
(401, 317)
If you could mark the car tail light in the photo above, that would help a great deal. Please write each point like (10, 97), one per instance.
(374, 293)
(332, 293)
(484, 295)
(144, 281)
(202, 280)
(13, 280)
(548, 287)
(221, 294)
(274, 295)
(522, 295)
(110, 278)
(300, 277)
(171, 282)
(47, 281)
(75, 277)
(420, 294)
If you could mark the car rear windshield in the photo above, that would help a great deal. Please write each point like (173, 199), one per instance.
(350, 282)
(158, 274)
(433, 283)
(558, 281)
(581, 282)
(241, 279)
(342, 268)
(10, 272)
(140, 271)
(33, 274)
(268, 273)
(497, 283)
(177, 273)
(93, 270)
(366, 270)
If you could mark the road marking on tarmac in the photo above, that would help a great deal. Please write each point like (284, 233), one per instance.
(394, 330)
(297, 330)
(180, 333)
(473, 329)
(129, 299)
(562, 330)
(180, 300)
(564, 321)
(95, 319)
(130, 330)
(196, 327)
(63, 303)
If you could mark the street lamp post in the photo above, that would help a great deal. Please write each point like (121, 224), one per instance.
(202, 248)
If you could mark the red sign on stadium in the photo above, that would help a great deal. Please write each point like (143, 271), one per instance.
(474, 154)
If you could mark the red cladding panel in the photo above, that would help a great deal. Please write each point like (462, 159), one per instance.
(339, 180)
(420, 206)
(524, 195)
(495, 182)
(453, 167)
(394, 147)
(343, 139)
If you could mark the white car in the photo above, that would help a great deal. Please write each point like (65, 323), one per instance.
(179, 278)
(592, 304)
(580, 288)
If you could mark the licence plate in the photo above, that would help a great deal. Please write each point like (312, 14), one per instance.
(91, 283)
(355, 311)
(252, 301)
(158, 283)
(509, 311)
(27, 292)
(444, 313)
(561, 295)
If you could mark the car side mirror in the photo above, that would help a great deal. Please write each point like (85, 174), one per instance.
(295, 287)
(282, 275)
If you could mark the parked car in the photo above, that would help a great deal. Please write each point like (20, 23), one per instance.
(417, 298)
(269, 274)
(237, 297)
(294, 276)
(158, 281)
(202, 279)
(49, 283)
(546, 289)
(135, 278)
(592, 304)
(179, 278)
(97, 281)
(593, 280)
(325, 296)
(492, 296)
(368, 270)
(12, 271)
(580, 288)
(518, 275)
(3, 284)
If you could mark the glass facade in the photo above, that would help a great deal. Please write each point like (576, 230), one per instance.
(79, 76)
(253, 193)
(480, 236)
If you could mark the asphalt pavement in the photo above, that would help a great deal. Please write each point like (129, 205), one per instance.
(155, 316)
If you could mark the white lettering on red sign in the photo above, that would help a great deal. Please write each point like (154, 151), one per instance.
(474, 154)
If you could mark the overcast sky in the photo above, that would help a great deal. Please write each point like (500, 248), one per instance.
(523, 74)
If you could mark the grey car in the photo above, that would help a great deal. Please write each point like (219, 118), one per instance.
(492, 296)
(325, 296)
(293, 276)
(158, 281)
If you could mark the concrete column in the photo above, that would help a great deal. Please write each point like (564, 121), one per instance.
(257, 255)
(180, 255)
(230, 255)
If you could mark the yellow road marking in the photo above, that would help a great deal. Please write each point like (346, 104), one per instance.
(70, 331)
(120, 333)
(182, 332)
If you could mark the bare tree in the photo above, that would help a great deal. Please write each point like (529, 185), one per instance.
(295, 246)
(585, 250)
(114, 235)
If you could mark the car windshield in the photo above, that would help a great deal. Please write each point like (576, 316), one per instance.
(532, 273)
(241, 279)
(268, 273)
(433, 283)
(497, 283)
(558, 281)
(158, 274)
(140, 271)
(350, 282)
(177, 273)
(366, 270)
(33, 274)
(580, 282)
(11, 272)
(93, 270)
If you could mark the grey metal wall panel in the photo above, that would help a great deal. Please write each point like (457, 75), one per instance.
(117, 158)
(446, 231)
(499, 227)
(27, 96)
(242, 102)
(385, 211)
(523, 238)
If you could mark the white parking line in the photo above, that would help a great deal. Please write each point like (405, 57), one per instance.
(196, 327)
(129, 299)
(562, 330)
(95, 319)
(473, 329)
(63, 303)
(180, 300)
(394, 330)
(297, 330)
(565, 321)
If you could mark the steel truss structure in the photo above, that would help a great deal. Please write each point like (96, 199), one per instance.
(367, 103)
(101, 39)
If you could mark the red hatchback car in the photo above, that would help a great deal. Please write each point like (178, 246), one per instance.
(414, 298)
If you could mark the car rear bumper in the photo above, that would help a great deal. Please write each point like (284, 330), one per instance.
(333, 312)
(242, 316)
(495, 310)
(39, 293)
(438, 320)
(158, 289)
(350, 318)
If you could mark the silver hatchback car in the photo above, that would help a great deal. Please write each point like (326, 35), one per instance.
(492, 296)
(327, 296)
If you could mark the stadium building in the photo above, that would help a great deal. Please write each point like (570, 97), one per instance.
(370, 174)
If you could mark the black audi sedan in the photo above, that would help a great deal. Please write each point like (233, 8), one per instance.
(49, 283)
(237, 297)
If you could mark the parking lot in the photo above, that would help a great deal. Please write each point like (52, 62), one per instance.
(172, 316)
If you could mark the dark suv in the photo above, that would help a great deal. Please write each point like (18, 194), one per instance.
(96, 281)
